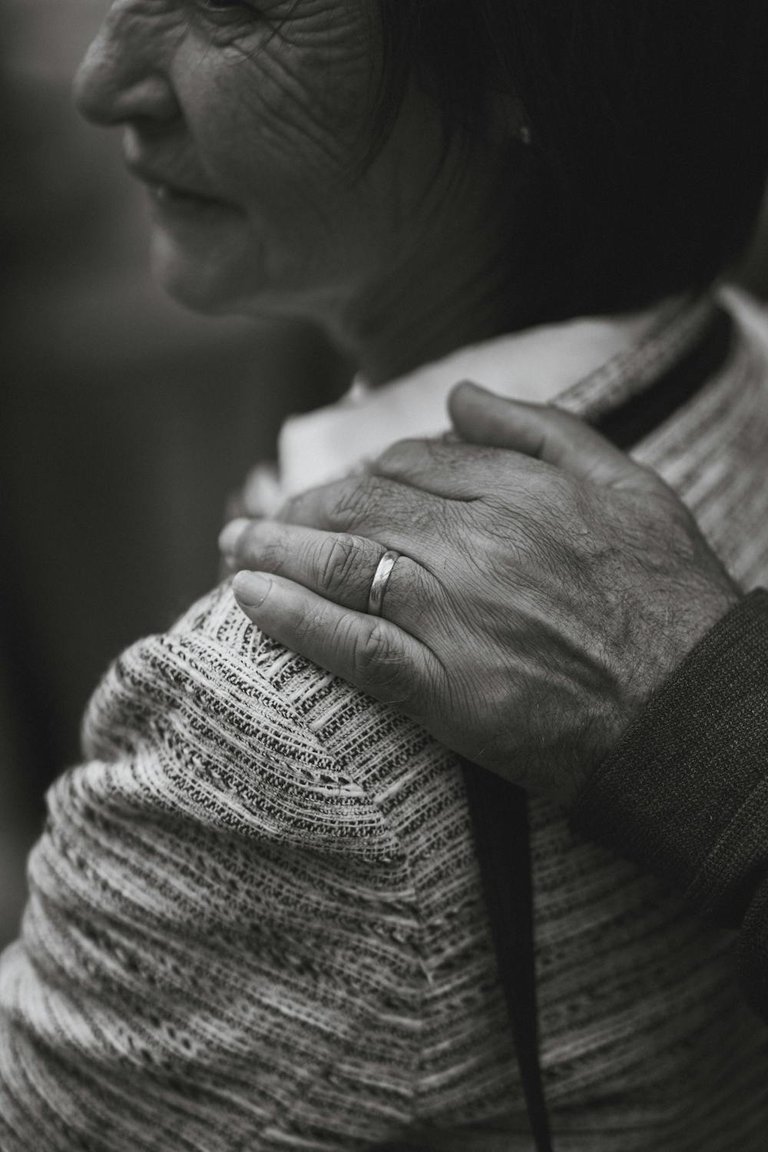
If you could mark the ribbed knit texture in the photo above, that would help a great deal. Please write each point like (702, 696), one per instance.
(686, 790)
(256, 921)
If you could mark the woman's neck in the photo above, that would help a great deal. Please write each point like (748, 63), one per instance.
(418, 320)
(468, 276)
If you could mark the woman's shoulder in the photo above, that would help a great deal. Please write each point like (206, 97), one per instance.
(217, 706)
(350, 726)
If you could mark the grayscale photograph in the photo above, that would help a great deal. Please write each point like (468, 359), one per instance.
(384, 576)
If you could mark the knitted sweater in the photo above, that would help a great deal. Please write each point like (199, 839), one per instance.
(685, 793)
(256, 921)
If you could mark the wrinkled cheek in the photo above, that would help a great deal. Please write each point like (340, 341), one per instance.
(287, 133)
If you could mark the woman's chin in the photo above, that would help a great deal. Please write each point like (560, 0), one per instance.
(231, 271)
(202, 281)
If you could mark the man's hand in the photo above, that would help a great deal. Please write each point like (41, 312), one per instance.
(546, 586)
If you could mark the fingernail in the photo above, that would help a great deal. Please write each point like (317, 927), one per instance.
(251, 588)
(231, 533)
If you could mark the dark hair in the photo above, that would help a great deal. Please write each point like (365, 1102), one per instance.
(648, 121)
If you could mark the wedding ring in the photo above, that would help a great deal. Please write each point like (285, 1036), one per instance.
(379, 583)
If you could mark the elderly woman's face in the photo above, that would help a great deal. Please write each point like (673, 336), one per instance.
(248, 123)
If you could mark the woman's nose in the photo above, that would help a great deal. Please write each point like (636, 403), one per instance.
(123, 76)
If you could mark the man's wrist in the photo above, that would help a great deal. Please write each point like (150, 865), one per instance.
(690, 767)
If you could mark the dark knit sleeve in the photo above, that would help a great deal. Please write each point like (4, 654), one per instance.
(685, 793)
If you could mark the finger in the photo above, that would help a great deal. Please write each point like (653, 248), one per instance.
(367, 651)
(549, 434)
(261, 495)
(337, 566)
(450, 469)
(229, 538)
(371, 506)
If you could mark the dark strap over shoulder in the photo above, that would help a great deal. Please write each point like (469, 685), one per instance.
(500, 819)
(499, 810)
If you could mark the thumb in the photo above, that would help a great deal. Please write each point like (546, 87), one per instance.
(549, 434)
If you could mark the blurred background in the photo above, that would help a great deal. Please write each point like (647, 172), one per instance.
(124, 423)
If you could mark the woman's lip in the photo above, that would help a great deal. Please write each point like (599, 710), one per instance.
(164, 192)
(170, 194)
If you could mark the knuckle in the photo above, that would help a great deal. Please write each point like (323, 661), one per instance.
(338, 566)
(379, 665)
(305, 627)
(397, 456)
(263, 547)
(371, 652)
(353, 504)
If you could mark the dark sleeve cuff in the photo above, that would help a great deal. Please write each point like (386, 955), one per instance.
(685, 794)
